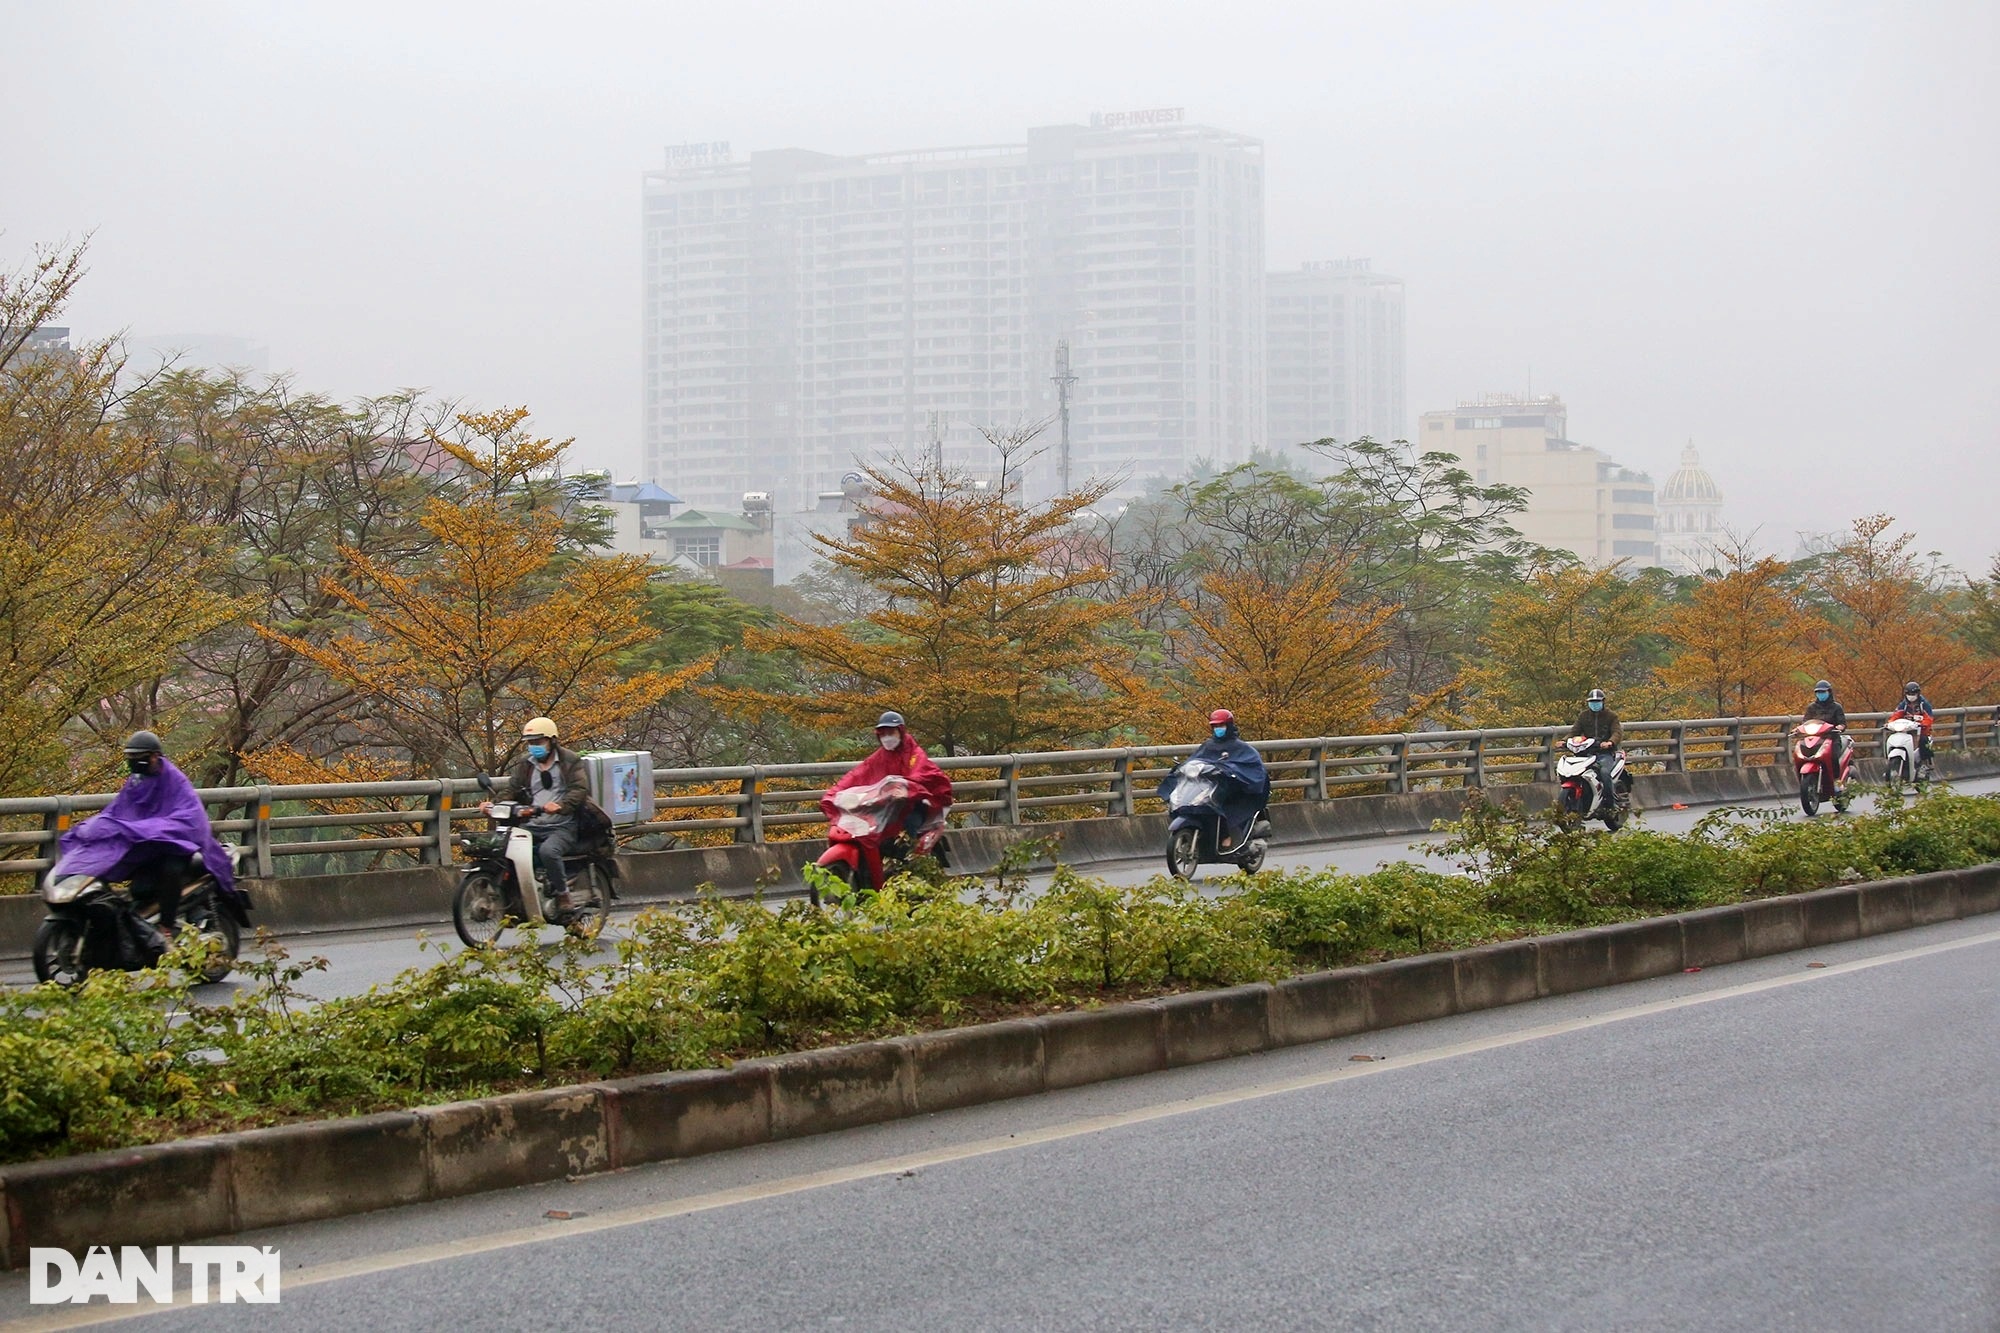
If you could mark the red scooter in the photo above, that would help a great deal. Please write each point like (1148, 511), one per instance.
(865, 825)
(1824, 763)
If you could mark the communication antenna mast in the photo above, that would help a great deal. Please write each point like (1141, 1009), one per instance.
(940, 423)
(1062, 379)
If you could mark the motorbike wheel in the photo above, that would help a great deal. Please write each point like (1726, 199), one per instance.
(1896, 777)
(1841, 800)
(1613, 817)
(1573, 802)
(1253, 861)
(59, 952)
(479, 909)
(841, 870)
(220, 934)
(1184, 852)
(1809, 794)
(590, 890)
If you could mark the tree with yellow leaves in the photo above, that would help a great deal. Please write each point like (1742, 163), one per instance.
(1742, 645)
(1563, 632)
(1286, 653)
(96, 591)
(1882, 621)
(503, 624)
(989, 639)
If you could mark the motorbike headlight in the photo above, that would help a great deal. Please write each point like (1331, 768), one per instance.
(67, 888)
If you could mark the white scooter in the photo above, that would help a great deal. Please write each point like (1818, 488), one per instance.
(1584, 793)
(501, 888)
(1902, 750)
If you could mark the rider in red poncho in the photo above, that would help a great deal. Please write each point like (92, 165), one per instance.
(896, 754)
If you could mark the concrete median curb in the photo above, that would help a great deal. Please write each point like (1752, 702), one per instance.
(180, 1191)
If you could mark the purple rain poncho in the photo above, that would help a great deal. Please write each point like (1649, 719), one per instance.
(161, 810)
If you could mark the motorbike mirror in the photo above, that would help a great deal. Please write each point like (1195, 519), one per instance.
(485, 783)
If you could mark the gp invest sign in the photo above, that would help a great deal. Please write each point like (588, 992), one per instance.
(232, 1272)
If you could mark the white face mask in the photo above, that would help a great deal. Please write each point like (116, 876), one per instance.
(890, 739)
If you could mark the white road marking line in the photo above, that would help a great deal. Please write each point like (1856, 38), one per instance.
(891, 1166)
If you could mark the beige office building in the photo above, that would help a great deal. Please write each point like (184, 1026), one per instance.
(1579, 498)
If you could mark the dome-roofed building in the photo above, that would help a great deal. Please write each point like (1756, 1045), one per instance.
(1690, 509)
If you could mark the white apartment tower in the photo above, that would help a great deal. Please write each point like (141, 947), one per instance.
(805, 311)
(1334, 367)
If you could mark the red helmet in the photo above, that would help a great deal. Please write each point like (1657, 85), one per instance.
(1221, 717)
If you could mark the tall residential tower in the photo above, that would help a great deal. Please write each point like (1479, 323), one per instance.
(804, 311)
(1335, 362)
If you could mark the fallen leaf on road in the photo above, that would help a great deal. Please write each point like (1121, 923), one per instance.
(1680, 805)
(1365, 1057)
(561, 1214)
(1815, 964)
(1690, 969)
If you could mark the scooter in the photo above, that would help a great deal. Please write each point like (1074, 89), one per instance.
(1584, 793)
(1823, 765)
(93, 925)
(500, 888)
(1902, 751)
(867, 842)
(1197, 830)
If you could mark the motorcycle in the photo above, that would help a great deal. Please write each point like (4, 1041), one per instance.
(1902, 752)
(1584, 792)
(93, 925)
(1823, 765)
(500, 888)
(867, 841)
(1198, 831)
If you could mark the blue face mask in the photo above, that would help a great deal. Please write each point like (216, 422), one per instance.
(1222, 733)
(1821, 695)
(538, 752)
(1597, 705)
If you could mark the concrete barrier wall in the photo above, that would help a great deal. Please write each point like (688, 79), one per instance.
(421, 895)
(177, 1192)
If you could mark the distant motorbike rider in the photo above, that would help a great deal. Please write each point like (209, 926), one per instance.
(1225, 748)
(1825, 708)
(555, 782)
(897, 754)
(1598, 724)
(149, 835)
(1914, 705)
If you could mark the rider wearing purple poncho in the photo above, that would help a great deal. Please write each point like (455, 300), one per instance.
(148, 834)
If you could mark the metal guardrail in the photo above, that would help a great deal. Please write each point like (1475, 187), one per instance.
(412, 821)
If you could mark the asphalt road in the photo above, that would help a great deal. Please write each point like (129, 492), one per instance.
(362, 958)
(1771, 1145)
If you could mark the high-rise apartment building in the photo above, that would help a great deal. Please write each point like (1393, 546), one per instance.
(1579, 499)
(1334, 369)
(805, 311)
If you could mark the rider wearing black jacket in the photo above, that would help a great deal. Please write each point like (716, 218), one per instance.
(1825, 708)
(1600, 724)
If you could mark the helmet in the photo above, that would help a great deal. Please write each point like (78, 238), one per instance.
(1819, 685)
(892, 718)
(1912, 687)
(1221, 717)
(1594, 697)
(143, 742)
(539, 726)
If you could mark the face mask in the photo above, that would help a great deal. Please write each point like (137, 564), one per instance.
(141, 764)
(1597, 705)
(1222, 733)
(890, 739)
(1821, 695)
(538, 752)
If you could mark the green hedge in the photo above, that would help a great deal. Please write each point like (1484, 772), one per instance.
(134, 1058)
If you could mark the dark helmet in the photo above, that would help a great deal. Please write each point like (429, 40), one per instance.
(1912, 688)
(143, 742)
(1594, 697)
(1819, 685)
(1222, 717)
(889, 719)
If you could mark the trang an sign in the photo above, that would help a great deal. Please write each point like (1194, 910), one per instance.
(222, 1274)
(698, 154)
(1131, 120)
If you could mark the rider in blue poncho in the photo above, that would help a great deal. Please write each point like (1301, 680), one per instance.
(1248, 788)
(149, 834)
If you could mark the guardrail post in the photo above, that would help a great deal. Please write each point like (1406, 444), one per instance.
(1734, 759)
(1121, 790)
(1964, 733)
(54, 824)
(1010, 773)
(1400, 750)
(438, 806)
(1477, 777)
(1680, 760)
(1319, 790)
(752, 808)
(260, 834)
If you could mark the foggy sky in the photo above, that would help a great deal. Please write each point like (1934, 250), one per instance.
(1766, 228)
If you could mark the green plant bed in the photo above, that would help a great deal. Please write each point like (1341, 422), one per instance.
(127, 1059)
